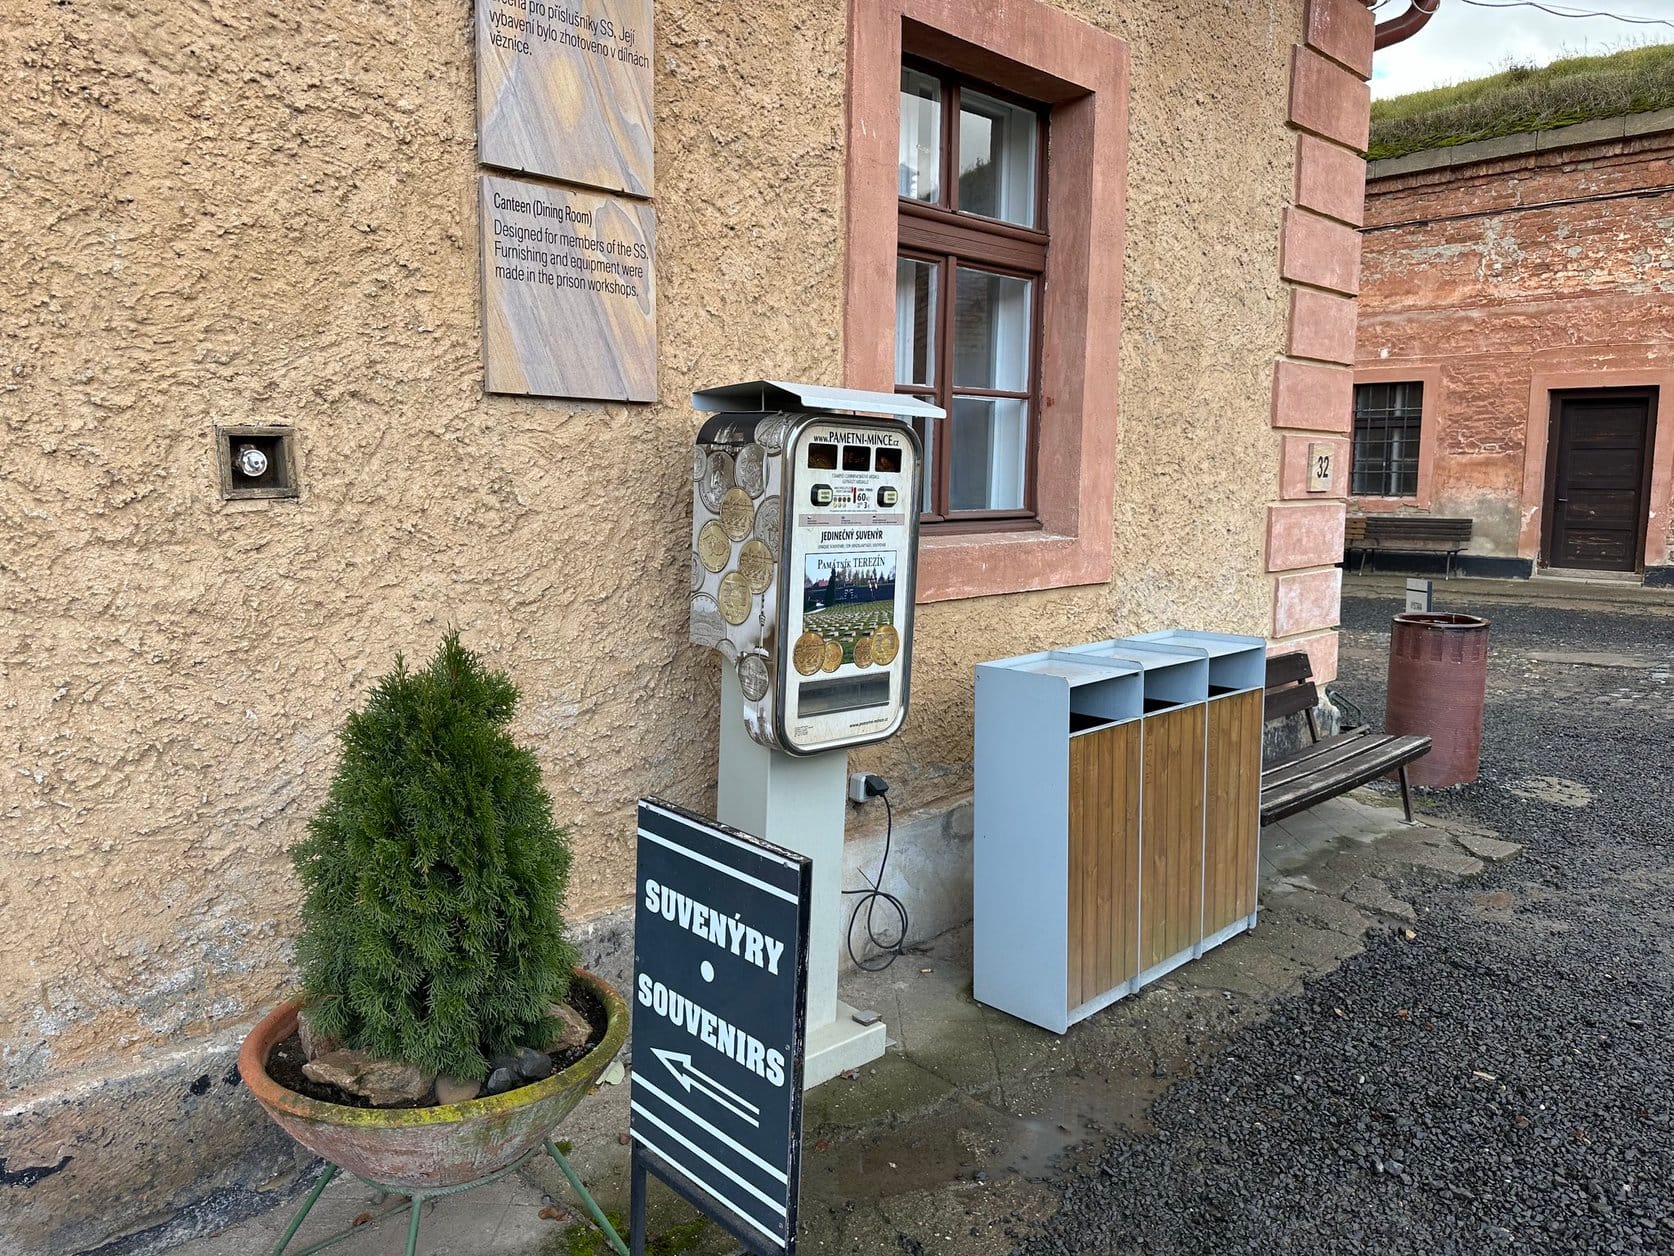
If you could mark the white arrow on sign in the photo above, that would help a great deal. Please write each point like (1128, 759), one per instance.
(688, 1076)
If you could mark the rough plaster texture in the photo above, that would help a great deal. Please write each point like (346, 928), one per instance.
(1471, 271)
(240, 212)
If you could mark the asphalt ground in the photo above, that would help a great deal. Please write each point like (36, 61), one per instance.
(1502, 1079)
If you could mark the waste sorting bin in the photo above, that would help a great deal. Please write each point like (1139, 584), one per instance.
(1438, 676)
(1116, 819)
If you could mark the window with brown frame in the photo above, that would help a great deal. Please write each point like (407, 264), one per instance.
(971, 261)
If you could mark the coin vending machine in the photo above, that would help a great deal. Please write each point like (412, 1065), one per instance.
(804, 557)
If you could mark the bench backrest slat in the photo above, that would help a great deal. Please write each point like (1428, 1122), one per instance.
(1287, 669)
(1290, 688)
(1389, 527)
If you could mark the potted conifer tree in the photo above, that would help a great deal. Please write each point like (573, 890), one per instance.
(434, 961)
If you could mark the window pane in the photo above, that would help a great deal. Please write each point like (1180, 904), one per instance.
(991, 331)
(920, 166)
(915, 321)
(927, 434)
(1387, 423)
(997, 159)
(990, 438)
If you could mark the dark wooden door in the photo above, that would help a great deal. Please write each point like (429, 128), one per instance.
(1597, 505)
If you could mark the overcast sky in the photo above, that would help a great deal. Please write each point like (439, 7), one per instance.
(1465, 42)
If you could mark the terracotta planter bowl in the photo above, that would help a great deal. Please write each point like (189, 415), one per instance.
(445, 1145)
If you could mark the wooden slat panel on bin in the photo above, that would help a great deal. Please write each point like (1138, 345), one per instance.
(1233, 825)
(1128, 876)
(1079, 837)
(1122, 866)
(1171, 890)
(1104, 861)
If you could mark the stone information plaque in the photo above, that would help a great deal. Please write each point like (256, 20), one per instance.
(569, 292)
(564, 90)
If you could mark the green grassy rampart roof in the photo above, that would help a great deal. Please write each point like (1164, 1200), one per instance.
(1525, 98)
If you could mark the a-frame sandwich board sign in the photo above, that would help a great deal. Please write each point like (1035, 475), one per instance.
(719, 1016)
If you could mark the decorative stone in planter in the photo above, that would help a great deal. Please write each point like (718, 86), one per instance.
(431, 1147)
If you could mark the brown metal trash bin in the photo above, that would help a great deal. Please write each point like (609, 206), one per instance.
(1438, 676)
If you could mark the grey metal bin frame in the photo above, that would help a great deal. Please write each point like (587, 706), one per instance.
(1117, 813)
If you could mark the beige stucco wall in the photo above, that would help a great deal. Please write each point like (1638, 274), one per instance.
(249, 212)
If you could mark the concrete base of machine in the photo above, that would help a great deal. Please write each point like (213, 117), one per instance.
(840, 1045)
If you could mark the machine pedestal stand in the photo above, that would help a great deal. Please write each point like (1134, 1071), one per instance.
(798, 802)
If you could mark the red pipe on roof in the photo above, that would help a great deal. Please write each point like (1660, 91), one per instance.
(1405, 26)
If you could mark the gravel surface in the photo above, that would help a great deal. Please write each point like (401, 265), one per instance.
(1503, 1080)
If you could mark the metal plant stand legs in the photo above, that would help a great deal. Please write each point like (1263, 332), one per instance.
(417, 1198)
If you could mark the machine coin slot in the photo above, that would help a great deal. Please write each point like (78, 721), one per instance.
(822, 457)
(857, 458)
(827, 697)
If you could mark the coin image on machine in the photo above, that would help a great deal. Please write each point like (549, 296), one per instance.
(700, 462)
(770, 522)
(752, 676)
(833, 656)
(734, 598)
(708, 628)
(755, 562)
(770, 432)
(863, 651)
(808, 653)
(713, 546)
(717, 478)
(738, 513)
(750, 469)
(886, 644)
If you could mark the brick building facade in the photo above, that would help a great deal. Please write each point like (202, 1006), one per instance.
(1516, 337)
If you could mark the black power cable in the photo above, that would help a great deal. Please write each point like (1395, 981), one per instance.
(867, 899)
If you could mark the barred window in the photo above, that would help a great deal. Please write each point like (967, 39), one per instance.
(1386, 424)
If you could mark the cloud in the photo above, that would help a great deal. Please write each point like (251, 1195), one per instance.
(1465, 42)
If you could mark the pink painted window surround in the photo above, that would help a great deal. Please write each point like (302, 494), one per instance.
(1080, 74)
(1429, 379)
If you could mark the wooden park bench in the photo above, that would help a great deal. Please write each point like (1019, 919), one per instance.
(1406, 534)
(1328, 766)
